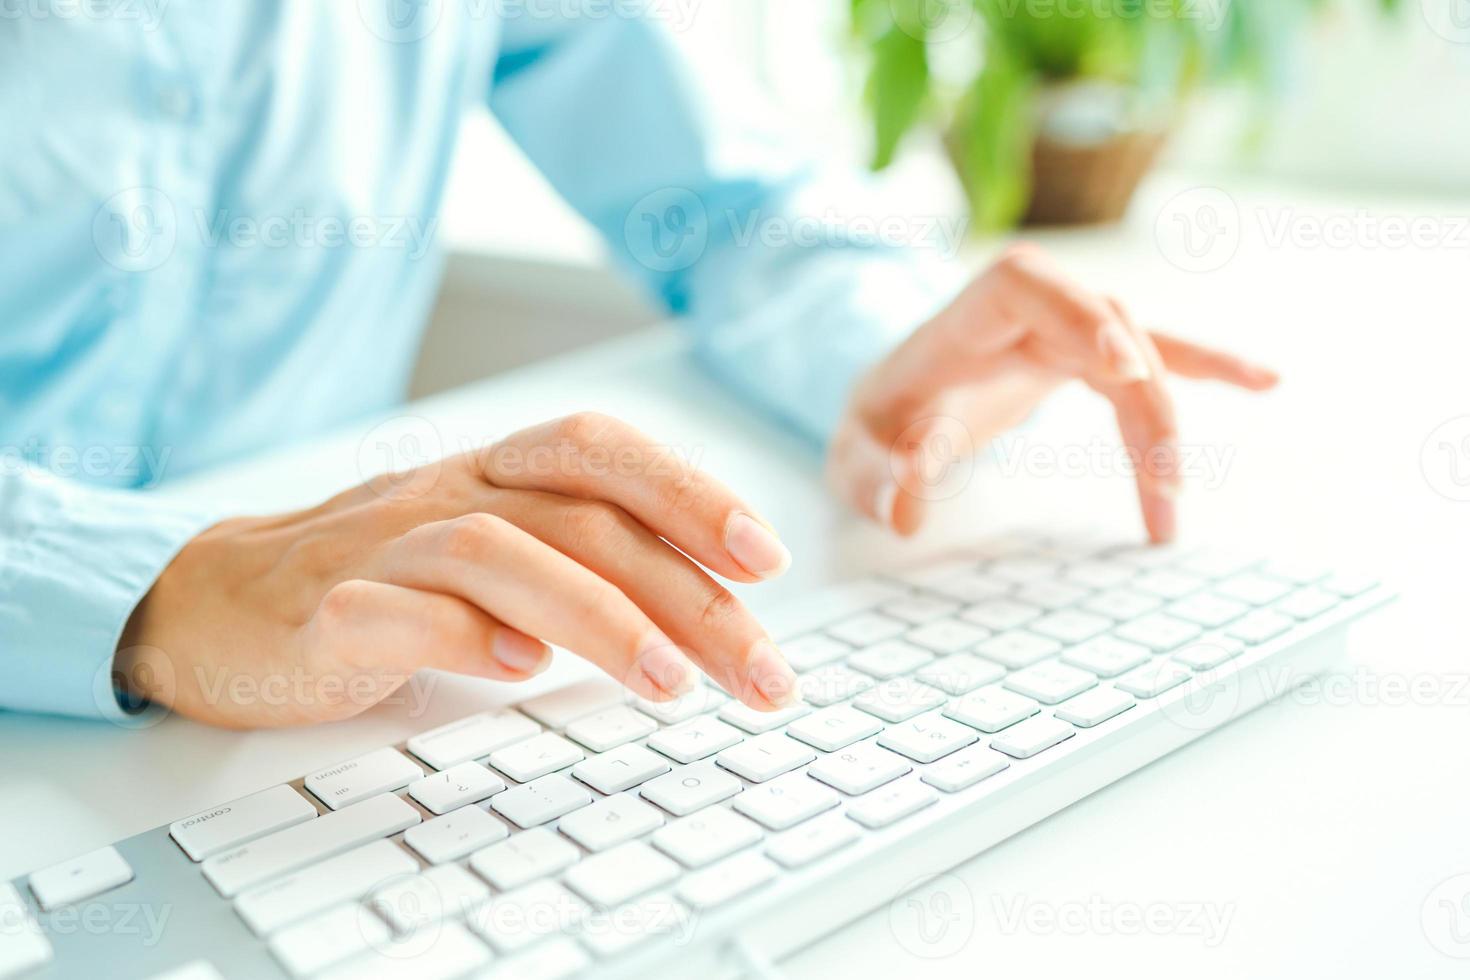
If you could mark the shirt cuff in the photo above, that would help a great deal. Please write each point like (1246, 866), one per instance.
(76, 562)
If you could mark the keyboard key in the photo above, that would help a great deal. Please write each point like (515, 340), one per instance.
(785, 801)
(831, 684)
(1349, 586)
(1024, 569)
(859, 768)
(960, 673)
(611, 821)
(328, 939)
(865, 629)
(469, 738)
(1167, 583)
(1051, 595)
(899, 699)
(1153, 679)
(920, 609)
(1000, 614)
(234, 823)
(698, 738)
(540, 801)
(444, 893)
(23, 946)
(536, 756)
(523, 858)
(1122, 604)
(1212, 564)
(891, 804)
(559, 708)
(1149, 556)
(625, 872)
(809, 842)
(1092, 708)
(1107, 656)
(965, 768)
(691, 788)
(1018, 649)
(927, 738)
(284, 851)
(454, 835)
(991, 709)
(1071, 625)
(301, 894)
(1099, 574)
(765, 756)
(1208, 610)
(1050, 682)
(698, 701)
(80, 878)
(1158, 632)
(457, 786)
(622, 768)
(611, 727)
(729, 879)
(973, 587)
(889, 659)
(556, 959)
(933, 574)
(516, 919)
(1260, 626)
(1208, 652)
(747, 719)
(834, 728)
(1293, 571)
(1307, 603)
(813, 650)
(608, 932)
(1032, 736)
(706, 836)
(454, 953)
(380, 771)
(1253, 589)
(947, 636)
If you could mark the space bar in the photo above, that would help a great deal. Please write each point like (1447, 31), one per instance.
(296, 847)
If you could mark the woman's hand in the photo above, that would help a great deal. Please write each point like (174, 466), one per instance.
(1016, 333)
(579, 532)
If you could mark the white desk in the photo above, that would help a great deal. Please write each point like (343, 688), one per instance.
(1318, 829)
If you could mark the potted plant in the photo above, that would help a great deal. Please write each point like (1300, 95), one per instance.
(1053, 110)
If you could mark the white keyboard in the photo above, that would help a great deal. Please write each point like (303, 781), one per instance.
(588, 831)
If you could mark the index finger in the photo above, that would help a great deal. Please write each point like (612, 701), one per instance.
(596, 457)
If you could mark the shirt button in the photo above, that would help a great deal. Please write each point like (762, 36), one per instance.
(176, 102)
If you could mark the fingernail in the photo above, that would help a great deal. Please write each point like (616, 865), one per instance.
(885, 502)
(1158, 513)
(755, 547)
(665, 667)
(519, 652)
(1123, 353)
(772, 675)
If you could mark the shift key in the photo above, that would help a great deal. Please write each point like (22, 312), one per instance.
(295, 847)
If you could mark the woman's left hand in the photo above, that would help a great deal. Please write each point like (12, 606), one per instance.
(1017, 332)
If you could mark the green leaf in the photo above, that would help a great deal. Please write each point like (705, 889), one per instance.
(898, 88)
(992, 142)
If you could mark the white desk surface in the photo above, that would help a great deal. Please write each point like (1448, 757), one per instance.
(1316, 828)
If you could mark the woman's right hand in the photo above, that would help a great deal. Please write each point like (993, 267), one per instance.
(580, 533)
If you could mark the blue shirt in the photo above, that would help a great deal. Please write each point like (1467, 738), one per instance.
(217, 233)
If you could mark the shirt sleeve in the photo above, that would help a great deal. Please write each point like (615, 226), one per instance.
(74, 563)
(712, 209)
